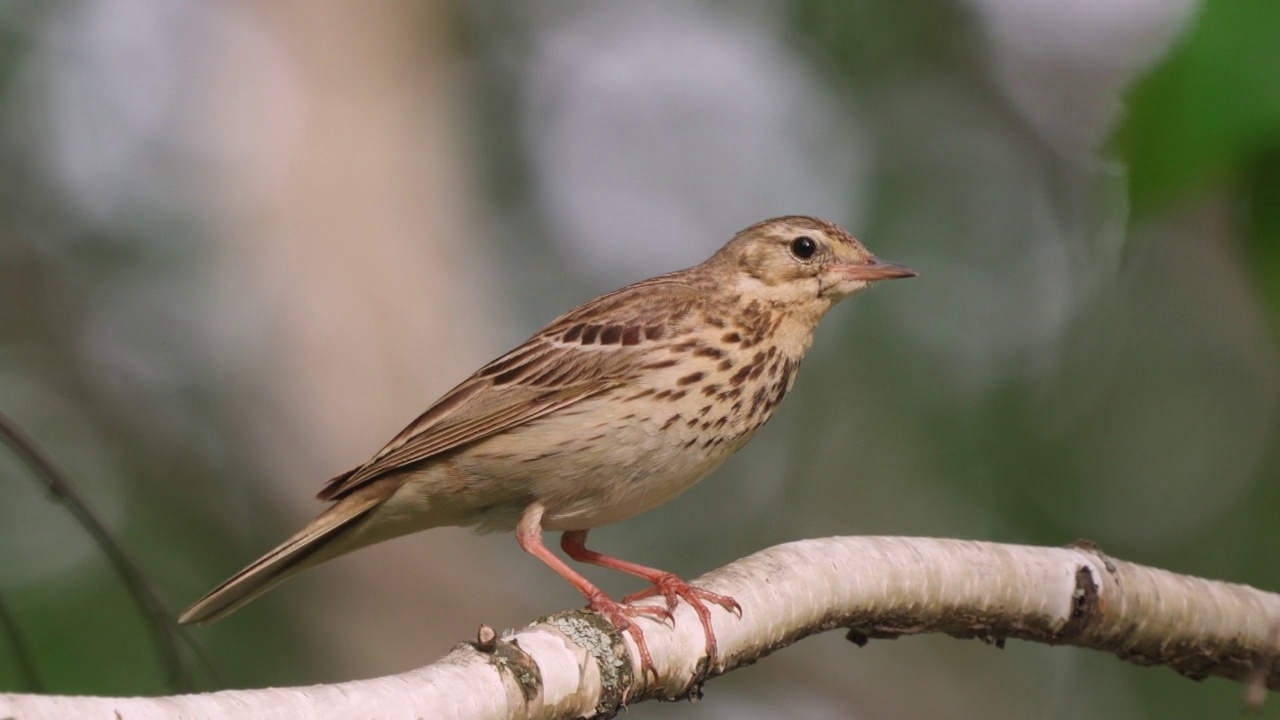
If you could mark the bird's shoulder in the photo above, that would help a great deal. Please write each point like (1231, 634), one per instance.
(637, 314)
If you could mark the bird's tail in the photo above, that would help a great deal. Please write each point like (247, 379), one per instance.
(320, 540)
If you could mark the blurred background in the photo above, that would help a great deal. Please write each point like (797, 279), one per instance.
(242, 244)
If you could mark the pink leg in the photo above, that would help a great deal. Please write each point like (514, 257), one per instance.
(670, 587)
(529, 535)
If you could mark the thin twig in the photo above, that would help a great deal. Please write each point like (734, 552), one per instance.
(166, 633)
(21, 650)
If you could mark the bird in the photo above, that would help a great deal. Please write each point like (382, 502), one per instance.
(609, 411)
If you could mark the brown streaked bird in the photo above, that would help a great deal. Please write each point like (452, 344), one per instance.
(610, 410)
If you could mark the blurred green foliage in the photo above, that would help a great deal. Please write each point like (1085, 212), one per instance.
(1207, 123)
(1204, 127)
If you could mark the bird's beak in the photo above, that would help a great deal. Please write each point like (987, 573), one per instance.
(871, 270)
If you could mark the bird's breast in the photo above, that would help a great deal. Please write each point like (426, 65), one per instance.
(637, 446)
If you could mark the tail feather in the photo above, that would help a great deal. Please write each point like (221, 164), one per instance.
(315, 543)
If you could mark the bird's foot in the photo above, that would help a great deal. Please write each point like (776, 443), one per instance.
(673, 589)
(622, 616)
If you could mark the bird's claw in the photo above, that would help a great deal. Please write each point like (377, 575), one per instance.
(661, 613)
(673, 589)
(621, 616)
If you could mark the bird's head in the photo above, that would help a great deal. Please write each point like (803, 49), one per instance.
(801, 263)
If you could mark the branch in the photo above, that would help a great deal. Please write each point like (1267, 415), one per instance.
(574, 665)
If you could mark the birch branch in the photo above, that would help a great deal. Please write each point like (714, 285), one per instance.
(573, 664)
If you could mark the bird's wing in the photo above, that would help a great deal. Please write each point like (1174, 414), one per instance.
(583, 353)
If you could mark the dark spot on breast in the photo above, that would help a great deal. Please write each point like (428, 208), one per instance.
(611, 335)
(714, 321)
(711, 389)
(757, 336)
(788, 373)
(691, 378)
(756, 371)
(757, 401)
(574, 332)
(773, 369)
(659, 364)
(722, 422)
(642, 393)
(671, 421)
(725, 364)
(631, 336)
(732, 337)
(693, 422)
(741, 376)
(590, 333)
(778, 394)
(773, 350)
(708, 351)
(653, 332)
(705, 409)
(679, 394)
(706, 426)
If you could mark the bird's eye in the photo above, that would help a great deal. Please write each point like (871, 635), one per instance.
(804, 247)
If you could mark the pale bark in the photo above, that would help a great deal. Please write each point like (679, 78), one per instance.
(572, 665)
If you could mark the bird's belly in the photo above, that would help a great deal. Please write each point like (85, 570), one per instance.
(588, 473)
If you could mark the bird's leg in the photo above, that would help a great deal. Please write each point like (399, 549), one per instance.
(670, 587)
(529, 535)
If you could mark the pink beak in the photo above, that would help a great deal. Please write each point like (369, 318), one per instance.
(871, 270)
